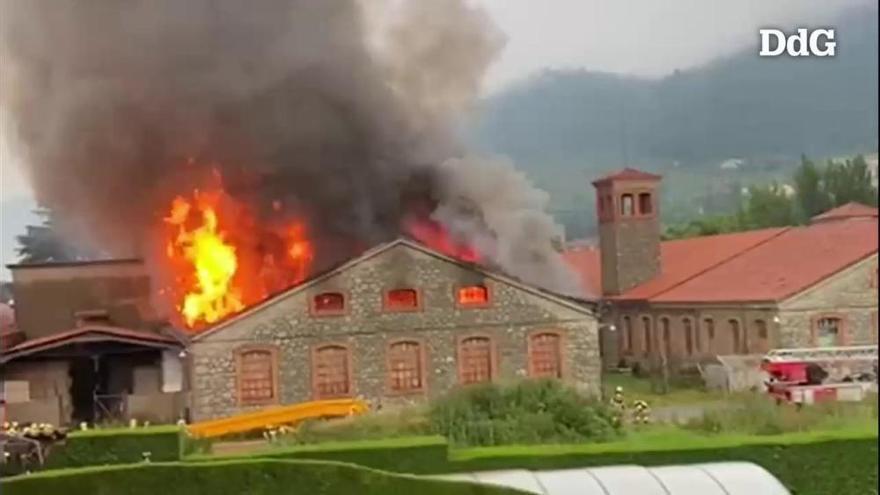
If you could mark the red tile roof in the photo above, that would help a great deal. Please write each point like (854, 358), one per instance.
(627, 174)
(90, 333)
(760, 265)
(849, 210)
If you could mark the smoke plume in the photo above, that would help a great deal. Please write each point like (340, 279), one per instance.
(342, 112)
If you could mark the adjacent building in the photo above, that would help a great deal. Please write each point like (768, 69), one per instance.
(742, 293)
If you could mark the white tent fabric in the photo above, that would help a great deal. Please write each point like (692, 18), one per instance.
(727, 478)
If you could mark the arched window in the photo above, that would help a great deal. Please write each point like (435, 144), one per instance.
(405, 367)
(709, 326)
(545, 355)
(626, 205)
(762, 337)
(828, 331)
(473, 295)
(256, 371)
(647, 338)
(688, 326)
(328, 303)
(475, 360)
(626, 334)
(331, 372)
(665, 334)
(646, 205)
(736, 336)
(402, 300)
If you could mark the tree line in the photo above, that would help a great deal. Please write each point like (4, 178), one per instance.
(814, 189)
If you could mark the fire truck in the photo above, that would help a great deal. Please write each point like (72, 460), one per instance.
(824, 374)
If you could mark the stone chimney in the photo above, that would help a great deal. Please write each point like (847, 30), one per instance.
(628, 210)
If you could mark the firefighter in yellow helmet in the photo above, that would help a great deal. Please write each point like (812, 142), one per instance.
(641, 412)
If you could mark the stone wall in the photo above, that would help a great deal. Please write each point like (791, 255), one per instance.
(705, 343)
(850, 295)
(285, 323)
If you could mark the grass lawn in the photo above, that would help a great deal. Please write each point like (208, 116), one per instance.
(640, 388)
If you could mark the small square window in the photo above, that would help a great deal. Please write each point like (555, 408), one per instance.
(328, 303)
(402, 300)
(473, 295)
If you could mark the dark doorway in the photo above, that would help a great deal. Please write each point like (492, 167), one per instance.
(83, 378)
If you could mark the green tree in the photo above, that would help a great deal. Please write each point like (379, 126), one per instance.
(769, 206)
(811, 196)
(849, 181)
(41, 243)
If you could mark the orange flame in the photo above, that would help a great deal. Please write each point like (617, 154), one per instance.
(214, 263)
(223, 261)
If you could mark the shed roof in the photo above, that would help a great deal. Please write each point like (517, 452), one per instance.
(89, 334)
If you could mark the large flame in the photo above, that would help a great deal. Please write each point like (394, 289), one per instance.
(223, 260)
(213, 260)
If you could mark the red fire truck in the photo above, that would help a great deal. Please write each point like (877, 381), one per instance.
(808, 376)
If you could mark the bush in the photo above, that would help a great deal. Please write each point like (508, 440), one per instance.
(114, 446)
(402, 455)
(379, 425)
(253, 477)
(533, 411)
(760, 415)
(118, 446)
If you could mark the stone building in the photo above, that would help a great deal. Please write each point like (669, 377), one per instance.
(399, 323)
(82, 346)
(732, 294)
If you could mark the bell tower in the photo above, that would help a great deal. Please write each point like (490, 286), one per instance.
(627, 207)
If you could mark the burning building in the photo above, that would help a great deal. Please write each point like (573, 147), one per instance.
(244, 154)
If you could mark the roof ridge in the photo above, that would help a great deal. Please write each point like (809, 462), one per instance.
(722, 261)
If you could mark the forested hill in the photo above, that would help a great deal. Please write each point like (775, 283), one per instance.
(760, 110)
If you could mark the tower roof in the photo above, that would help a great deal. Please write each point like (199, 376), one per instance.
(627, 174)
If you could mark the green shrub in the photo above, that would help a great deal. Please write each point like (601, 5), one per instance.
(401, 455)
(530, 411)
(117, 446)
(760, 415)
(379, 425)
(251, 477)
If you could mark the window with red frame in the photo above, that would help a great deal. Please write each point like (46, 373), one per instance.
(256, 376)
(545, 355)
(402, 299)
(475, 366)
(405, 366)
(329, 302)
(330, 371)
(473, 295)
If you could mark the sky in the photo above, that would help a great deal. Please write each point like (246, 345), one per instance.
(639, 37)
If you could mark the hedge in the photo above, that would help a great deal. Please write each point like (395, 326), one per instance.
(253, 477)
(805, 463)
(116, 446)
(401, 455)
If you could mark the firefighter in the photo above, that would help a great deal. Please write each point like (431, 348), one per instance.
(641, 412)
(619, 405)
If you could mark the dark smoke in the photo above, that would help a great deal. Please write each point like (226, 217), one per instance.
(341, 111)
